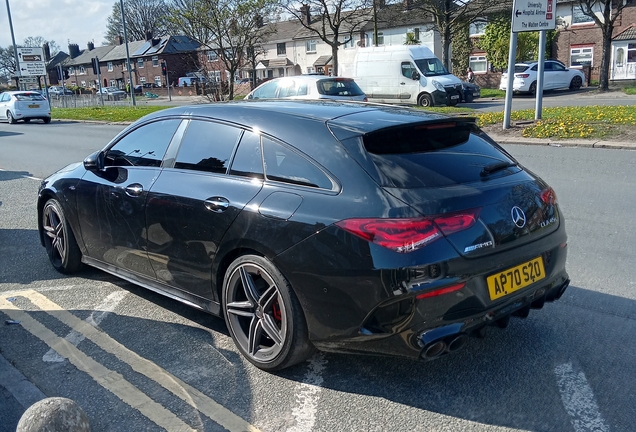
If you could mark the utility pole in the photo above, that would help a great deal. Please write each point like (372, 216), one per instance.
(132, 85)
(15, 49)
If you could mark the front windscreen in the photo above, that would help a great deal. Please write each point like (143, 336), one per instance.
(431, 67)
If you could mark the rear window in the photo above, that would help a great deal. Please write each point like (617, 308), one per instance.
(520, 68)
(339, 87)
(433, 155)
(29, 96)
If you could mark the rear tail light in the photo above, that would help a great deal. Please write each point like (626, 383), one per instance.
(548, 196)
(522, 75)
(407, 235)
(441, 291)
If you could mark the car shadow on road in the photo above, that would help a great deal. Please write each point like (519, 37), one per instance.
(8, 133)
(13, 175)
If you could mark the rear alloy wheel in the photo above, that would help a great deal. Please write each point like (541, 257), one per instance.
(425, 100)
(10, 118)
(533, 88)
(263, 314)
(59, 240)
(576, 83)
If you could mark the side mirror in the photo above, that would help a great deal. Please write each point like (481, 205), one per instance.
(415, 76)
(94, 162)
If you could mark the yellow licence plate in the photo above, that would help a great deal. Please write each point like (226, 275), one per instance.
(515, 278)
(34, 106)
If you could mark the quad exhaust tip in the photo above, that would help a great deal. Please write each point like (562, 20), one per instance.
(444, 346)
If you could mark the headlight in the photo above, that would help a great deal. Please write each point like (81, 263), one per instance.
(438, 86)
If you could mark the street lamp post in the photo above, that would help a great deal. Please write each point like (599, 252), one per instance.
(15, 49)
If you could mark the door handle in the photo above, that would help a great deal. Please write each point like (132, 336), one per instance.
(402, 83)
(217, 204)
(134, 190)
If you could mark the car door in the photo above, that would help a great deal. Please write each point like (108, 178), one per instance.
(192, 204)
(560, 74)
(409, 87)
(111, 202)
(5, 98)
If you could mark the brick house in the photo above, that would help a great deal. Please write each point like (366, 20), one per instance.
(179, 53)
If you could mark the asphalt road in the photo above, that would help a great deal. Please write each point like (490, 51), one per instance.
(156, 364)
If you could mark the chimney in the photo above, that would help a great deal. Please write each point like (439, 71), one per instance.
(73, 50)
(47, 51)
(408, 4)
(120, 40)
(155, 41)
(148, 35)
(90, 46)
(258, 21)
(305, 14)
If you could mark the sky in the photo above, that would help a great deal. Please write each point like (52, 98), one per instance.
(64, 21)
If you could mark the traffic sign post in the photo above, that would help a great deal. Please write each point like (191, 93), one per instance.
(31, 61)
(529, 15)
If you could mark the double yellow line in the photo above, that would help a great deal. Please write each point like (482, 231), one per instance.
(112, 380)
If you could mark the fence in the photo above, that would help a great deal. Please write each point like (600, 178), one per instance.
(85, 100)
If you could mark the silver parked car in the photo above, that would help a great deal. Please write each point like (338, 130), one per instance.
(113, 93)
(24, 105)
(555, 76)
(309, 87)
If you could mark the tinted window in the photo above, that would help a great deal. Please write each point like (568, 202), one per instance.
(265, 91)
(29, 97)
(207, 146)
(145, 146)
(520, 68)
(407, 69)
(432, 155)
(284, 165)
(248, 160)
(339, 87)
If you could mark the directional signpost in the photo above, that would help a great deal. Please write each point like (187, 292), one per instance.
(529, 15)
(31, 61)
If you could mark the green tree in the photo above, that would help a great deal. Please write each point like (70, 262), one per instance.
(496, 43)
(228, 27)
(333, 21)
(411, 39)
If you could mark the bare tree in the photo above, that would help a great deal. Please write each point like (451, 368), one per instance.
(225, 26)
(608, 12)
(141, 16)
(38, 41)
(333, 21)
(450, 16)
(8, 66)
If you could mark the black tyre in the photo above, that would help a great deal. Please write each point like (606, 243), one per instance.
(46, 120)
(425, 100)
(469, 97)
(10, 118)
(533, 88)
(59, 241)
(576, 83)
(263, 314)
(27, 120)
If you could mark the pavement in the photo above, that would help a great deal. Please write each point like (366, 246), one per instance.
(17, 393)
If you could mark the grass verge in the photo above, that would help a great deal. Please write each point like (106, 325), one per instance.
(105, 113)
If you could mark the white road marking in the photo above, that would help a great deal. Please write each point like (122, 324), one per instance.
(307, 396)
(96, 317)
(578, 400)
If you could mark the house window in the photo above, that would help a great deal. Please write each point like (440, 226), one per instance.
(477, 28)
(229, 54)
(155, 61)
(631, 53)
(125, 66)
(578, 17)
(620, 57)
(310, 70)
(281, 49)
(113, 83)
(214, 76)
(310, 46)
(110, 66)
(158, 80)
(350, 43)
(581, 56)
(142, 80)
(478, 63)
(212, 56)
(140, 63)
(380, 40)
(71, 70)
(82, 71)
(83, 83)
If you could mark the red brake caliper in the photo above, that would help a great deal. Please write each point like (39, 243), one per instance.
(278, 316)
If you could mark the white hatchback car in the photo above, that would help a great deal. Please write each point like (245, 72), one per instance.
(555, 76)
(309, 87)
(24, 105)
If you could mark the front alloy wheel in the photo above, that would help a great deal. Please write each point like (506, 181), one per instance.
(263, 315)
(10, 118)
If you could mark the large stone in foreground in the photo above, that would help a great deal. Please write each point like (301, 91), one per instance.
(55, 414)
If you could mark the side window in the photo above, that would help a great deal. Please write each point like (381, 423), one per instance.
(286, 88)
(284, 165)
(267, 90)
(145, 146)
(408, 69)
(302, 89)
(558, 67)
(207, 146)
(248, 161)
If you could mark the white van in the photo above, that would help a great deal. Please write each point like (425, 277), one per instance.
(405, 74)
